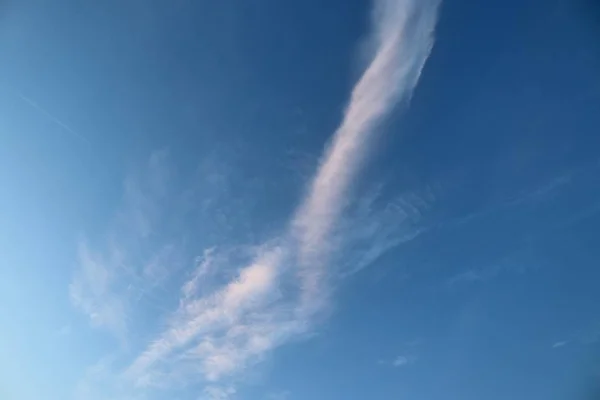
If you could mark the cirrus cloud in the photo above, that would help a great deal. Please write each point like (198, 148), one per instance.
(217, 331)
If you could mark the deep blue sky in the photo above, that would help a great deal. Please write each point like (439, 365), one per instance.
(139, 139)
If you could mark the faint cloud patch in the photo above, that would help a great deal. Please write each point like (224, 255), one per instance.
(399, 361)
(283, 395)
(100, 383)
(218, 393)
(134, 259)
(92, 292)
(584, 337)
(65, 330)
(373, 226)
(517, 262)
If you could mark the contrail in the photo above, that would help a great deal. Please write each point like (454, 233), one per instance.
(50, 116)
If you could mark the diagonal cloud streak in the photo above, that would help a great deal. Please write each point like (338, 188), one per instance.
(218, 334)
(403, 39)
(51, 117)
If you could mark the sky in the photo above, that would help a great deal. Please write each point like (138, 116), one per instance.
(289, 200)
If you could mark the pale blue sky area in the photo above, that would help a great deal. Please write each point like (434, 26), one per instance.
(289, 200)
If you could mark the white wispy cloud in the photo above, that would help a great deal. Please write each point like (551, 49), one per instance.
(133, 259)
(204, 265)
(218, 331)
(400, 361)
(373, 227)
(92, 290)
(559, 344)
(515, 262)
(221, 333)
(403, 38)
(234, 324)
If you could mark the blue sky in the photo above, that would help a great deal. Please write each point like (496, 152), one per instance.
(299, 200)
